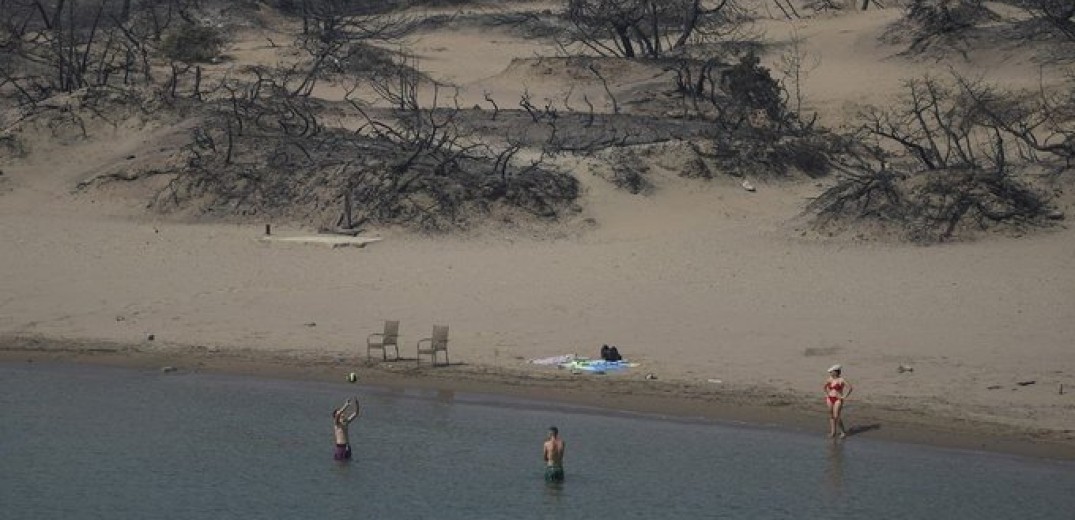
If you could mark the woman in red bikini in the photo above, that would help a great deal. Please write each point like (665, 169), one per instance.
(836, 391)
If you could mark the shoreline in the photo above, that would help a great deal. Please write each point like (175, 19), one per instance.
(660, 398)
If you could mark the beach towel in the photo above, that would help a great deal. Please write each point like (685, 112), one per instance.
(597, 366)
(554, 360)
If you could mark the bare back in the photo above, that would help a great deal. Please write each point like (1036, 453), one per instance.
(554, 452)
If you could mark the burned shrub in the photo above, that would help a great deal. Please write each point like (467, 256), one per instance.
(630, 174)
(265, 152)
(755, 132)
(192, 43)
(936, 167)
(928, 206)
(939, 25)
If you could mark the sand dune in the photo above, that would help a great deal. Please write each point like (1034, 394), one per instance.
(702, 280)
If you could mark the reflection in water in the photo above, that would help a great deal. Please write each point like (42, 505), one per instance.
(342, 467)
(555, 507)
(834, 473)
(554, 491)
(445, 396)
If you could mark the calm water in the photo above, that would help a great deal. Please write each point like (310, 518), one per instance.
(85, 442)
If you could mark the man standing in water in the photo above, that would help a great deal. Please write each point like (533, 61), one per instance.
(339, 427)
(554, 456)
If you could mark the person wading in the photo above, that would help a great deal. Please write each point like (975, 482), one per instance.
(554, 456)
(339, 427)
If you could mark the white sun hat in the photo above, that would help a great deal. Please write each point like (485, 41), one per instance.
(835, 368)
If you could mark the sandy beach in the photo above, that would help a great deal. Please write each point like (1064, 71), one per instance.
(724, 295)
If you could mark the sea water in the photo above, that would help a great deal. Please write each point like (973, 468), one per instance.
(91, 442)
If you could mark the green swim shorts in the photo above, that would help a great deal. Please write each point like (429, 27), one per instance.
(554, 474)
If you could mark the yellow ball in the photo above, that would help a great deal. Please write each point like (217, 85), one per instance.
(352, 377)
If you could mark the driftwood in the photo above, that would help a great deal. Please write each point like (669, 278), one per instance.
(339, 231)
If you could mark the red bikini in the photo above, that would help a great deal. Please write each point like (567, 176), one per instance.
(834, 387)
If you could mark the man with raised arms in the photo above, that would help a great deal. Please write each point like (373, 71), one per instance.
(339, 427)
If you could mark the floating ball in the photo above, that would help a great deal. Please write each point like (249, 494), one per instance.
(352, 377)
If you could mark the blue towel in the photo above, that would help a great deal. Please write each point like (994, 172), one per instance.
(597, 365)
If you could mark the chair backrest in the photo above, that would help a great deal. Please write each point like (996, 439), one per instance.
(440, 337)
(391, 330)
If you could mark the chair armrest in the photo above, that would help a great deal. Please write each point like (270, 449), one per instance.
(371, 336)
(429, 340)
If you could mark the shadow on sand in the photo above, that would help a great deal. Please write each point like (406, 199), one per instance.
(862, 428)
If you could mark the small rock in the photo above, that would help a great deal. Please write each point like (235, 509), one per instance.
(651, 376)
(129, 157)
(120, 318)
(747, 185)
(310, 324)
(168, 369)
(1025, 383)
(993, 387)
(715, 381)
(904, 368)
(150, 337)
(1054, 214)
